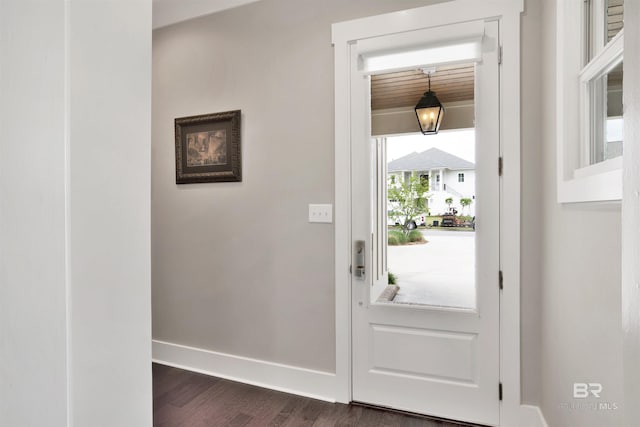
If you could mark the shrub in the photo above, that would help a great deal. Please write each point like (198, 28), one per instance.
(415, 236)
(396, 238)
(392, 278)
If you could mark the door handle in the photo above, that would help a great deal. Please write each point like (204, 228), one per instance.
(359, 254)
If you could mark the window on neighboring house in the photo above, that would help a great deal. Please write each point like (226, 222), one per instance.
(460, 177)
(589, 103)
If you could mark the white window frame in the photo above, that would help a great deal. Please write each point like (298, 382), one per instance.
(578, 179)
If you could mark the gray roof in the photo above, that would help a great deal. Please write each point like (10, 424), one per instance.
(433, 158)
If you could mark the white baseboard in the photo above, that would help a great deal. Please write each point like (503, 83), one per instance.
(275, 376)
(532, 416)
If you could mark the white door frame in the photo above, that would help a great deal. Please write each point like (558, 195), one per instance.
(512, 412)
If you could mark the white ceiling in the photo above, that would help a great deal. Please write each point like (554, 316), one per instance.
(167, 12)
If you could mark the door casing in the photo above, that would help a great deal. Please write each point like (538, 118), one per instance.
(508, 12)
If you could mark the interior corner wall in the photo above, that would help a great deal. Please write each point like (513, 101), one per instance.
(631, 218)
(109, 212)
(236, 267)
(581, 292)
(33, 333)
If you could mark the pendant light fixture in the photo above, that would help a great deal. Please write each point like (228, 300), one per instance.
(429, 110)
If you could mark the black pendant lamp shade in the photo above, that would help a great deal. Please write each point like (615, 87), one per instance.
(429, 112)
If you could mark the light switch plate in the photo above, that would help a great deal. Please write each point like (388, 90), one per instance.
(321, 213)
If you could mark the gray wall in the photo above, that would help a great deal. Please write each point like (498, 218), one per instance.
(581, 310)
(236, 267)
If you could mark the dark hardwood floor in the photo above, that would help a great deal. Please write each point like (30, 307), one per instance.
(187, 399)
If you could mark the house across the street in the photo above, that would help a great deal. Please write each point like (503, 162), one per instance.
(449, 176)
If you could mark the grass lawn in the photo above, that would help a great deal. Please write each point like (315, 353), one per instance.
(429, 221)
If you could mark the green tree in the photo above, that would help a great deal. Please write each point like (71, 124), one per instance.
(449, 202)
(408, 199)
(465, 202)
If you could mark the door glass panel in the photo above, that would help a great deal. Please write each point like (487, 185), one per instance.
(430, 211)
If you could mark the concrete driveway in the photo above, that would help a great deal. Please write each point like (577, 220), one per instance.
(441, 272)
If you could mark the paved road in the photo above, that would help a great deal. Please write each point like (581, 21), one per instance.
(466, 232)
(441, 272)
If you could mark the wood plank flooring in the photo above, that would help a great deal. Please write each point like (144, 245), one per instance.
(187, 399)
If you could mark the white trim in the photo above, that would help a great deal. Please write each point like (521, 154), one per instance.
(572, 79)
(604, 61)
(438, 37)
(508, 11)
(610, 165)
(67, 211)
(422, 17)
(584, 187)
(455, 53)
(274, 376)
(532, 417)
(511, 409)
(342, 221)
(451, 44)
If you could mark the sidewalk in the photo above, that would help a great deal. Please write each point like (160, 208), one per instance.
(440, 272)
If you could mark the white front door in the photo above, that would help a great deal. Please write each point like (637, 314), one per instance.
(428, 359)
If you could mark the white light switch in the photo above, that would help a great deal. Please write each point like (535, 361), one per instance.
(321, 213)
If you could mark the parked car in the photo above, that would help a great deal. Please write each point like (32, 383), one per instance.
(471, 224)
(413, 223)
(450, 220)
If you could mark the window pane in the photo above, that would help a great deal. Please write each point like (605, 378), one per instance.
(603, 19)
(608, 136)
(614, 126)
(615, 13)
(432, 257)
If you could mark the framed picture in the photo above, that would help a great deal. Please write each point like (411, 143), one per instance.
(208, 148)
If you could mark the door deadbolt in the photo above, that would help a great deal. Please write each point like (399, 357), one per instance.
(359, 259)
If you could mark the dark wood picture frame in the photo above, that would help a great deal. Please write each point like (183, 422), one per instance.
(208, 148)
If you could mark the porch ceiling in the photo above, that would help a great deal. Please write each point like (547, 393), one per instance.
(405, 88)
